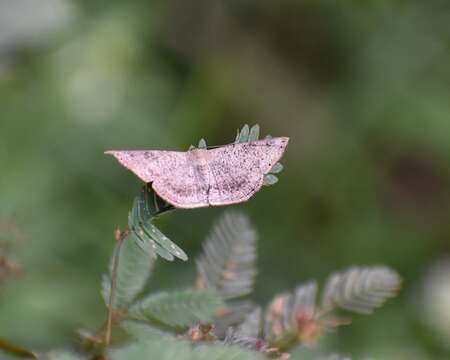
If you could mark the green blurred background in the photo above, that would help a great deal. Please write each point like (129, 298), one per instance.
(361, 87)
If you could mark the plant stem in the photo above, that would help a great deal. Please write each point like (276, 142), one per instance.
(112, 293)
(17, 350)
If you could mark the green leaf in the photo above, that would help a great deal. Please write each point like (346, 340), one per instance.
(232, 315)
(222, 352)
(254, 133)
(63, 355)
(143, 331)
(277, 168)
(227, 264)
(145, 208)
(178, 308)
(236, 140)
(244, 134)
(147, 242)
(180, 350)
(154, 350)
(161, 239)
(251, 326)
(278, 320)
(151, 204)
(306, 353)
(304, 299)
(270, 179)
(134, 269)
(360, 290)
(234, 338)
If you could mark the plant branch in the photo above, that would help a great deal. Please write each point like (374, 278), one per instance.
(120, 237)
(16, 350)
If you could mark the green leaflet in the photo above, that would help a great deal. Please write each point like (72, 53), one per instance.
(227, 264)
(357, 289)
(135, 266)
(244, 134)
(177, 309)
(180, 350)
(277, 168)
(145, 208)
(254, 133)
(270, 179)
(360, 289)
(306, 353)
(143, 331)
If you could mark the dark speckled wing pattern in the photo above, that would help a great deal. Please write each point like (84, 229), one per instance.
(198, 178)
(238, 170)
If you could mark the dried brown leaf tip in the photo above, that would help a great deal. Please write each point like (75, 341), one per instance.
(203, 177)
(276, 316)
(201, 333)
(308, 329)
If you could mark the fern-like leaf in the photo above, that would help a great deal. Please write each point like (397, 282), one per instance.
(232, 315)
(227, 264)
(254, 133)
(146, 207)
(246, 342)
(304, 301)
(177, 309)
(278, 318)
(134, 269)
(179, 350)
(360, 290)
(277, 168)
(243, 134)
(251, 326)
(293, 317)
(270, 179)
(143, 331)
(305, 353)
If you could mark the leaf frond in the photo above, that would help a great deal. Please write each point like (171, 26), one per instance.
(251, 326)
(232, 315)
(143, 331)
(360, 290)
(135, 267)
(178, 309)
(227, 264)
(146, 207)
(181, 350)
(243, 341)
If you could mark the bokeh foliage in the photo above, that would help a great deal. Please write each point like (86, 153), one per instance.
(360, 87)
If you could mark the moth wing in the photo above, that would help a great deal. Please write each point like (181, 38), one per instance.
(181, 187)
(237, 170)
(148, 165)
(170, 173)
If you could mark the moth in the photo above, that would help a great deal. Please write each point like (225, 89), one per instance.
(203, 177)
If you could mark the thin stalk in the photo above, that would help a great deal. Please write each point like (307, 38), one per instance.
(16, 350)
(120, 237)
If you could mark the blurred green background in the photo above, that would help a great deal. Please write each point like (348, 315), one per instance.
(362, 89)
